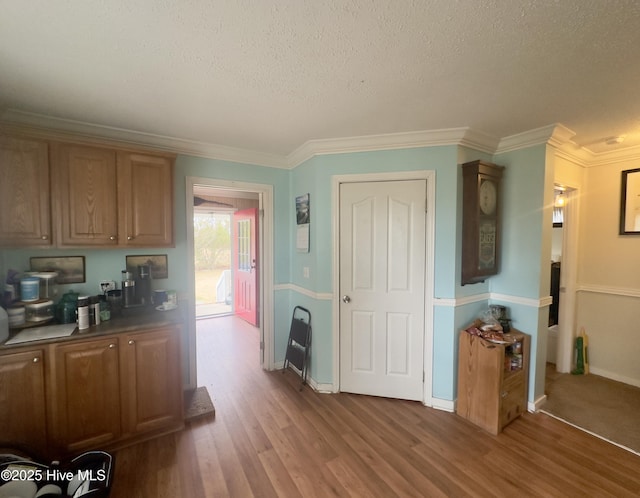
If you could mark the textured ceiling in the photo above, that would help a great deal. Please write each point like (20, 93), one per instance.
(269, 75)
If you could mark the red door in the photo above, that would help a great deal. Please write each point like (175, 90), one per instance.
(245, 264)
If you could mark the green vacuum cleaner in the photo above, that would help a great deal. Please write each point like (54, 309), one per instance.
(582, 354)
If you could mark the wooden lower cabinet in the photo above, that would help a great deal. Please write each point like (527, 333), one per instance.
(85, 394)
(492, 380)
(92, 393)
(151, 386)
(22, 399)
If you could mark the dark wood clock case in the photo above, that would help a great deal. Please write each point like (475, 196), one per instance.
(481, 220)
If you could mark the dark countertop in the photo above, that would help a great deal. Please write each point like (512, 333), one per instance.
(140, 320)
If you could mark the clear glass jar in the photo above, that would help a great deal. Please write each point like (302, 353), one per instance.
(39, 312)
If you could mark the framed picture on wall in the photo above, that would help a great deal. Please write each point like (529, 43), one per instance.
(70, 269)
(303, 220)
(630, 202)
(157, 263)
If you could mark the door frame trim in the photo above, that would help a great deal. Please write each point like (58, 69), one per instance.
(568, 279)
(429, 176)
(266, 269)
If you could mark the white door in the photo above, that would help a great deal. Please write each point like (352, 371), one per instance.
(382, 288)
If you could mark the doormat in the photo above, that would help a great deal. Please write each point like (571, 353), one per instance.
(198, 404)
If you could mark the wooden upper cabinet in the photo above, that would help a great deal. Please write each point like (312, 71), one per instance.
(109, 198)
(25, 217)
(145, 192)
(85, 195)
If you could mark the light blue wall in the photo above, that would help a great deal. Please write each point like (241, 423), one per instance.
(523, 224)
(315, 177)
(107, 264)
(526, 241)
(99, 265)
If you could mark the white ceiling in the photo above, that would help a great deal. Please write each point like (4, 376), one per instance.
(270, 75)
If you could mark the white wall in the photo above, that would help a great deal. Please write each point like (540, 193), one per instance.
(608, 298)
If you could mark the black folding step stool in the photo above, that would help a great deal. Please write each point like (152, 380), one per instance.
(299, 342)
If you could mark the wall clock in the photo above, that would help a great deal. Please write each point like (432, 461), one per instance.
(480, 220)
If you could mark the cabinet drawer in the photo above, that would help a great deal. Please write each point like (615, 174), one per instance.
(513, 381)
(512, 405)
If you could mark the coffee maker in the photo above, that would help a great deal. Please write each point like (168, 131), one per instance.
(143, 286)
(128, 290)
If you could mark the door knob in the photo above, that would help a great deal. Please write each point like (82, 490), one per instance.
(346, 299)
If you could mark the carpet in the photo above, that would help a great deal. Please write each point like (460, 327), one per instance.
(601, 406)
(198, 404)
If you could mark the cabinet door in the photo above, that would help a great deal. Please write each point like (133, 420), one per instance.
(86, 197)
(25, 218)
(85, 390)
(22, 399)
(152, 393)
(145, 186)
(512, 402)
(480, 368)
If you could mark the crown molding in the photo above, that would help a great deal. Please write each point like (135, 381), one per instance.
(67, 129)
(615, 156)
(550, 134)
(389, 141)
(556, 135)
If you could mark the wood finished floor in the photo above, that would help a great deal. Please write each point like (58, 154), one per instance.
(269, 439)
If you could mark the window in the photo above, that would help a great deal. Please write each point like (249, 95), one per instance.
(244, 245)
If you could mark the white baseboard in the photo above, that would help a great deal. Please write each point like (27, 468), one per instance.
(443, 404)
(537, 404)
(311, 382)
(614, 376)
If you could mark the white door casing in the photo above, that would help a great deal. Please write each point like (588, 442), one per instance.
(382, 260)
(266, 271)
(568, 279)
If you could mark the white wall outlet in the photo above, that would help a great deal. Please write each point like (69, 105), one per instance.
(107, 285)
(305, 272)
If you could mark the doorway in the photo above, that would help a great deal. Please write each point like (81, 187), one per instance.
(565, 250)
(383, 276)
(224, 198)
(557, 236)
(212, 262)
(225, 228)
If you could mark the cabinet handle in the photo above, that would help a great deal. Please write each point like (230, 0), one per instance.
(113, 237)
(129, 237)
(112, 345)
(132, 342)
(36, 359)
(504, 394)
(44, 237)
